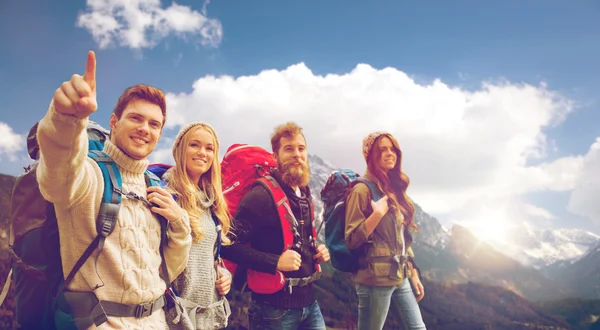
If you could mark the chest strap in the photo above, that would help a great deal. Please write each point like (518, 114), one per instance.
(87, 310)
(184, 306)
(292, 282)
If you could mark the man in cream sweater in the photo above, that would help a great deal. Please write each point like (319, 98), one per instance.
(128, 269)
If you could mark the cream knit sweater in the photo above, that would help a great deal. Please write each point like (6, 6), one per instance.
(129, 264)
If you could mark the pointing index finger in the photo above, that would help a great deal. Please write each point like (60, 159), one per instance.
(90, 70)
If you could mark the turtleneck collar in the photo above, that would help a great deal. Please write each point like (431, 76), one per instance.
(123, 160)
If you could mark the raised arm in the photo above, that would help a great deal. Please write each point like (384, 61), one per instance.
(64, 171)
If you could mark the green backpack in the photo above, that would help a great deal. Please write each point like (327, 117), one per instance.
(39, 282)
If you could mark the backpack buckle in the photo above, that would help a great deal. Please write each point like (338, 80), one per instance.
(143, 310)
(106, 228)
(400, 259)
(119, 191)
(403, 260)
(133, 195)
(298, 245)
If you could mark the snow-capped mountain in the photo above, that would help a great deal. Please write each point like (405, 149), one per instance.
(430, 230)
(319, 172)
(581, 274)
(540, 247)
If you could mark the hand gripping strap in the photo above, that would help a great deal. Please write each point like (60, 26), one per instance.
(285, 213)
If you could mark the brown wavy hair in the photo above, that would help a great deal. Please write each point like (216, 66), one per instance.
(393, 184)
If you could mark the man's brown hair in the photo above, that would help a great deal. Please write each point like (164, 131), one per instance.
(289, 129)
(141, 92)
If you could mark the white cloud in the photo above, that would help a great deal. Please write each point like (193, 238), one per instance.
(10, 142)
(584, 198)
(161, 155)
(536, 211)
(141, 24)
(458, 144)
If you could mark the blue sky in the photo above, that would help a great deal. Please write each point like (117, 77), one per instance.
(461, 43)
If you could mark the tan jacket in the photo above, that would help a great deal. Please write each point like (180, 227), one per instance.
(130, 260)
(380, 247)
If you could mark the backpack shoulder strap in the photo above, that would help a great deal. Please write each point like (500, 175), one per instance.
(315, 232)
(291, 237)
(110, 171)
(375, 192)
(288, 220)
(153, 181)
(219, 240)
(108, 211)
(111, 198)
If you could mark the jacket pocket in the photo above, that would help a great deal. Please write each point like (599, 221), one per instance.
(379, 252)
(381, 269)
(379, 259)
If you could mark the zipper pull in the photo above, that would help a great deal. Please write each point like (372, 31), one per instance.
(290, 286)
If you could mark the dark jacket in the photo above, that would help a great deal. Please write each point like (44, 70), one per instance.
(257, 222)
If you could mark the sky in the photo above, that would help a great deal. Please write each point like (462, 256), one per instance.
(495, 104)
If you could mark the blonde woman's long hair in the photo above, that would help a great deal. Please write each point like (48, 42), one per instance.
(186, 191)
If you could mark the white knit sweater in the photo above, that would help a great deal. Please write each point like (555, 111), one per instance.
(130, 261)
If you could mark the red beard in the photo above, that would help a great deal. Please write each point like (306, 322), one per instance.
(293, 174)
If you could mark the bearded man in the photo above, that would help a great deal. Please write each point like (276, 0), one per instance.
(258, 243)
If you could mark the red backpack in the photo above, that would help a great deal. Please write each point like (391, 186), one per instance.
(240, 167)
(243, 166)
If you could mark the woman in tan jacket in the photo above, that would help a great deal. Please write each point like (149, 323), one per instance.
(382, 230)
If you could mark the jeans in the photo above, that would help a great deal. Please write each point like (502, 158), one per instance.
(265, 317)
(374, 304)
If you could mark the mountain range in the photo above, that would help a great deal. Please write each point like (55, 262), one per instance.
(541, 246)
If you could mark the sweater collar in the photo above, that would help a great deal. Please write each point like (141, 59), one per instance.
(123, 160)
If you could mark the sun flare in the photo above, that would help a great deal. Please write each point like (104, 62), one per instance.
(491, 226)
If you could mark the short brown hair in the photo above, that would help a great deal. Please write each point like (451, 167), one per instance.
(141, 92)
(288, 130)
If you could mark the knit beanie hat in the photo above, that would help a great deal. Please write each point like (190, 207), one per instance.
(185, 129)
(369, 140)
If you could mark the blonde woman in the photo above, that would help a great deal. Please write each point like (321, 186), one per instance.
(195, 182)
